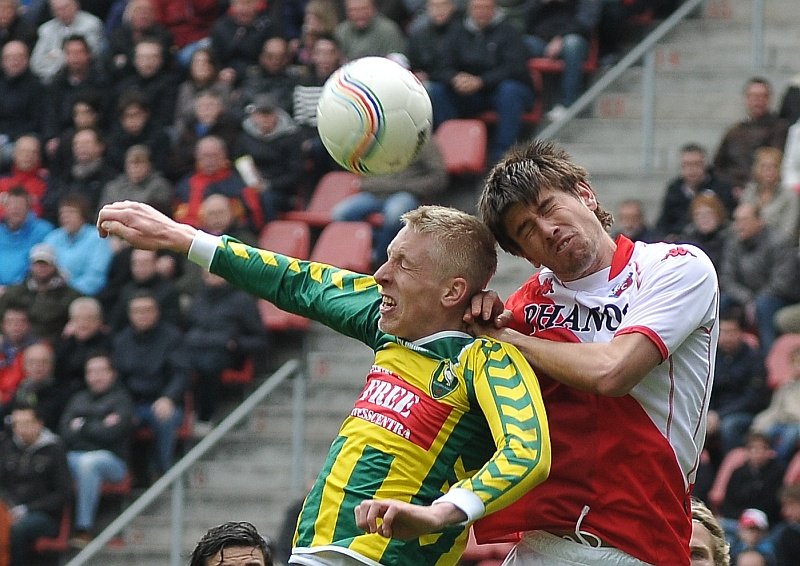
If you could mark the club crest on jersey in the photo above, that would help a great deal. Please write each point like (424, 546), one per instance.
(619, 289)
(443, 381)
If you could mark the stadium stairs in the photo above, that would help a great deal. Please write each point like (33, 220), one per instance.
(701, 69)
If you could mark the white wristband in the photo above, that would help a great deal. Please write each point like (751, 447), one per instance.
(465, 500)
(203, 248)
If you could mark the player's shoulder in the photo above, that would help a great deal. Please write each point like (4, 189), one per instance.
(669, 255)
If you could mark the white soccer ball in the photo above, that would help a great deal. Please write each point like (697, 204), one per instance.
(374, 116)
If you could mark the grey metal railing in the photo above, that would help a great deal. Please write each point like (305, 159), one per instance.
(645, 51)
(176, 475)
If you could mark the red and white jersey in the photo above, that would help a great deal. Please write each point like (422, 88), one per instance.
(623, 467)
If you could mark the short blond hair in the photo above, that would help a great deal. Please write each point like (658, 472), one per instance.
(463, 245)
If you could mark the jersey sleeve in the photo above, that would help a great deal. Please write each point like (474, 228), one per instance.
(678, 293)
(345, 301)
(506, 390)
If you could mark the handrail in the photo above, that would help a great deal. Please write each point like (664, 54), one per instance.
(645, 50)
(176, 473)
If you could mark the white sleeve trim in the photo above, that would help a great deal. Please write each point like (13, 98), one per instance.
(465, 500)
(203, 248)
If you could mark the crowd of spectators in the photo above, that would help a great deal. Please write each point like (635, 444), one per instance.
(173, 103)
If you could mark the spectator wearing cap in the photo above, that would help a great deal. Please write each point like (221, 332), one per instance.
(82, 255)
(272, 140)
(753, 535)
(20, 230)
(44, 293)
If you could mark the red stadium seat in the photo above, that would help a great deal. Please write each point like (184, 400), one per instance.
(292, 238)
(331, 189)
(345, 244)
(60, 542)
(239, 376)
(532, 116)
(778, 362)
(145, 433)
(547, 65)
(463, 146)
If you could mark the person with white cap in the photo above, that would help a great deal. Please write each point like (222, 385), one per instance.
(45, 294)
(752, 534)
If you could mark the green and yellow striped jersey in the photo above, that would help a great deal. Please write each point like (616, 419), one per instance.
(446, 411)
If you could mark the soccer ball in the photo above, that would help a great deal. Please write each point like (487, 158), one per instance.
(374, 116)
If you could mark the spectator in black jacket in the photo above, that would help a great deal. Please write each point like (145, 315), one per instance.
(272, 139)
(38, 386)
(138, 22)
(485, 68)
(740, 389)
(152, 78)
(754, 484)
(81, 77)
(562, 29)
(153, 366)
(21, 96)
(145, 276)
(34, 481)
(238, 35)
(83, 334)
(13, 26)
(133, 125)
(96, 427)
(696, 178)
(428, 42)
(224, 329)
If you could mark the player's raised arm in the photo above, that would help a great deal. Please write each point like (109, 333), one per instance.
(142, 226)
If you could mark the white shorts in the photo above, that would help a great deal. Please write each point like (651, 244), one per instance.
(538, 548)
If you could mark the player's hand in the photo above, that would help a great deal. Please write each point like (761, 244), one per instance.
(487, 308)
(397, 519)
(144, 227)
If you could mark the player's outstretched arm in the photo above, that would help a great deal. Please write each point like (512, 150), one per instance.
(397, 519)
(142, 226)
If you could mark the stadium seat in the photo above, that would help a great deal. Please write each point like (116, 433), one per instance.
(731, 461)
(345, 244)
(779, 366)
(463, 146)
(239, 376)
(532, 116)
(548, 65)
(332, 188)
(145, 434)
(292, 238)
(60, 542)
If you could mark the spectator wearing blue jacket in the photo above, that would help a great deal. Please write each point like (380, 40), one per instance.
(83, 256)
(20, 230)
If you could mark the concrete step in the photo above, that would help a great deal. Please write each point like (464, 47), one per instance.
(775, 11)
